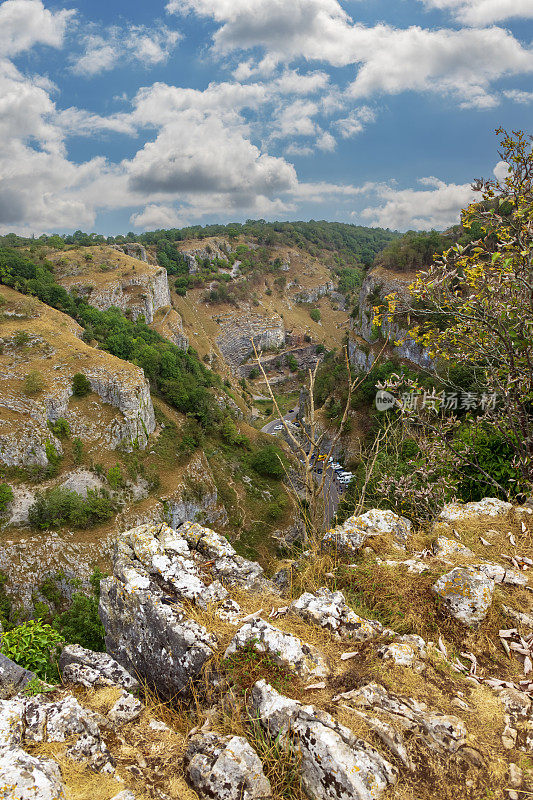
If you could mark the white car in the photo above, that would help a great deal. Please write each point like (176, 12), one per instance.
(278, 428)
(335, 466)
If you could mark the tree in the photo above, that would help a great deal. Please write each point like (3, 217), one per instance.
(315, 314)
(473, 308)
(81, 385)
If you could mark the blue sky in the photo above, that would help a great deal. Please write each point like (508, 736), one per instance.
(118, 116)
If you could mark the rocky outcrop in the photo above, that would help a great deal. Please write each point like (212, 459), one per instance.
(314, 294)
(196, 497)
(140, 294)
(90, 669)
(195, 255)
(226, 768)
(305, 357)
(240, 334)
(377, 285)
(13, 678)
(466, 593)
(329, 610)
(335, 764)
(354, 533)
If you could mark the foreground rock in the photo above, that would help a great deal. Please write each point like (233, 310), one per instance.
(329, 610)
(157, 572)
(335, 764)
(90, 669)
(25, 777)
(285, 649)
(350, 537)
(466, 594)
(226, 768)
(13, 678)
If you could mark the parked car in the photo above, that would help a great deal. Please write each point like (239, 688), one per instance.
(278, 428)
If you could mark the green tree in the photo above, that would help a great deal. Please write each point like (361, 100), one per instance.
(315, 314)
(6, 496)
(81, 386)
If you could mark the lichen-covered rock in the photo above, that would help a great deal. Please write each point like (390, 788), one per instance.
(99, 668)
(500, 574)
(354, 532)
(125, 710)
(406, 651)
(437, 731)
(488, 507)
(466, 593)
(449, 548)
(226, 768)
(329, 610)
(335, 764)
(285, 649)
(25, 777)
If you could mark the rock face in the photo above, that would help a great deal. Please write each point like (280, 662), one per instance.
(328, 610)
(13, 678)
(196, 498)
(156, 569)
(285, 649)
(352, 534)
(335, 764)
(238, 333)
(466, 594)
(226, 768)
(91, 669)
(376, 286)
(314, 294)
(139, 294)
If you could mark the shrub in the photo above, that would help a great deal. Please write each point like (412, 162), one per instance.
(81, 385)
(33, 383)
(267, 462)
(60, 506)
(21, 338)
(6, 496)
(115, 478)
(254, 373)
(77, 451)
(35, 646)
(60, 428)
(292, 363)
(80, 624)
(315, 315)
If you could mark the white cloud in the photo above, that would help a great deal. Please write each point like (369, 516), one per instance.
(153, 217)
(326, 142)
(438, 205)
(463, 62)
(149, 46)
(519, 96)
(484, 12)
(355, 122)
(25, 23)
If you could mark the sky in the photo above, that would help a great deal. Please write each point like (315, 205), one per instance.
(129, 116)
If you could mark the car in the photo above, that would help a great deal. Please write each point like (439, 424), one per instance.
(335, 466)
(278, 428)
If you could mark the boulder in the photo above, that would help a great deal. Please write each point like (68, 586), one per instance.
(335, 764)
(466, 593)
(439, 732)
(285, 649)
(449, 548)
(125, 710)
(500, 574)
(406, 651)
(488, 507)
(226, 768)
(329, 610)
(13, 678)
(25, 777)
(79, 665)
(352, 534)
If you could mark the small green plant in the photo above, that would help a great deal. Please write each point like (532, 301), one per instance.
(60, 428)
(315, 315)
(35, 687)
(81, 385)
(33, 383)
(21, 338)
(77, 450)
(267, 462)
(6, 496)
(36, 646)
(115, 478)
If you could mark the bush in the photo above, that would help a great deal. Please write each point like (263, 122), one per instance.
(60, 428)
(315, 315)
(6, 496)
(80, 385)
(60, 506)
(115, 478)
(80, 624)
(292, 363)
(21, 338)
(77, 451)
(35, 646)
(267, 462)
(33, 383)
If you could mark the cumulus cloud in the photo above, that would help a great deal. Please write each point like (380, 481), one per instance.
(26, 23)
(436, 205)
(390, 60)
(519, 96)
(483, 12)
(148, 46)
(355, 122)
(153, 217)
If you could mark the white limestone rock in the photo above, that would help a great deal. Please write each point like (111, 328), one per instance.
(445, 549)
(488, 507)
(285, 649)
(406, 651)
(225, 767)
(335, 764)
(79, 665)
(500, 574)
(125, 710)
(25, 777)
(466, 593)
(329, 610)
(355, 531)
